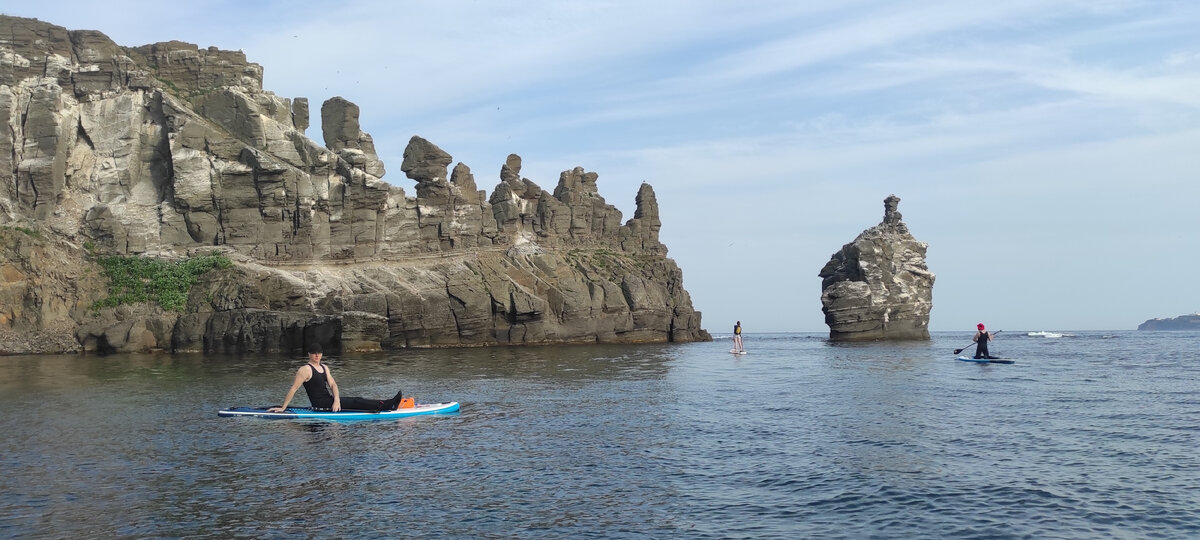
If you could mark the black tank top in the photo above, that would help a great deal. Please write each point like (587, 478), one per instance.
(317, 388)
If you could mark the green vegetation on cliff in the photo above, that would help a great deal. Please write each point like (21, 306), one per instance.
(29, 232)
(142, 279)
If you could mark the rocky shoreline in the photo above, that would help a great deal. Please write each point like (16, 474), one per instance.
(170, 150)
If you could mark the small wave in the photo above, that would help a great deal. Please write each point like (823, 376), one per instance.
(1042, 333)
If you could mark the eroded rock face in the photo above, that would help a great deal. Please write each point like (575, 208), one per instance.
(339, 124)
(878, 286)
(168, 149)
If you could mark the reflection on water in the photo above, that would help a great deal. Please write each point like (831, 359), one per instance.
(799, 438)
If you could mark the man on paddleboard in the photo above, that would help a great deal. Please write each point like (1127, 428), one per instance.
(322, 390)
(982, 337)
(737, 338)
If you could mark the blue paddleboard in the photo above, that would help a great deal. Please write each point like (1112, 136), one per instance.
(307, 413)
(985, 360)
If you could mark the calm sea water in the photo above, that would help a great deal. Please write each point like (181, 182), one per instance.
(1088, 435)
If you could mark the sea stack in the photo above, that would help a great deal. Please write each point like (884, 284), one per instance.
(878, 286)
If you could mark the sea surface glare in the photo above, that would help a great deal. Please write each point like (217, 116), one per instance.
(1088, 435)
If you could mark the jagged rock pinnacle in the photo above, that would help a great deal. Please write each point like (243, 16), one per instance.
(878, 286)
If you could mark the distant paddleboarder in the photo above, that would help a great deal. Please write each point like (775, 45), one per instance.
(737, 339)
(982, 337)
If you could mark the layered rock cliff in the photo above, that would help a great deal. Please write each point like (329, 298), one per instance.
(169, 150)
(878, 286)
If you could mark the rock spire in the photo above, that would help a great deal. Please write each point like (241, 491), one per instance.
(878, 286)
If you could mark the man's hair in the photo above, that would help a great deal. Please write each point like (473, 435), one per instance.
(315, 348)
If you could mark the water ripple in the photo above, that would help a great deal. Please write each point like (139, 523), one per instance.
(801, 438)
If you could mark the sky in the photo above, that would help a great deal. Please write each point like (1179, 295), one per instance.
(1047, 151)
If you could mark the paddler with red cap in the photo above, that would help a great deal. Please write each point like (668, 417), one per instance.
(982, 337)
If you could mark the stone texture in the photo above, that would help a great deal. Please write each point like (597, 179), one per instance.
(169, 150)
(878, 286)
(339, 125)
(300, 114)
(45, 291)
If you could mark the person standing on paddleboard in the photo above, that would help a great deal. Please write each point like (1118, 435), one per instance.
(737, 338)
(322, 390)
(982, 337)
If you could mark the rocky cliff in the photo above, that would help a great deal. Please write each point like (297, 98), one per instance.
(878, 286)
(169, 150)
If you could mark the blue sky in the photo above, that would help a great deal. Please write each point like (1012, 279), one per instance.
(1048, 152)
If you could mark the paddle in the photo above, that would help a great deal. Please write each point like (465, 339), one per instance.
(956, 351)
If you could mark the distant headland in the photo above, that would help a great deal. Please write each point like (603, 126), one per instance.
(1182, 322)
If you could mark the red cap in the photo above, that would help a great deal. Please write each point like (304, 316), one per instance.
(979, 326)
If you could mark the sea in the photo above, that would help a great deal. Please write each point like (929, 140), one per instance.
(1087, 435)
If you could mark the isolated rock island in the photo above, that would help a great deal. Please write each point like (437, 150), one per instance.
(1182, 322)
(878, 286)
(170, 152)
